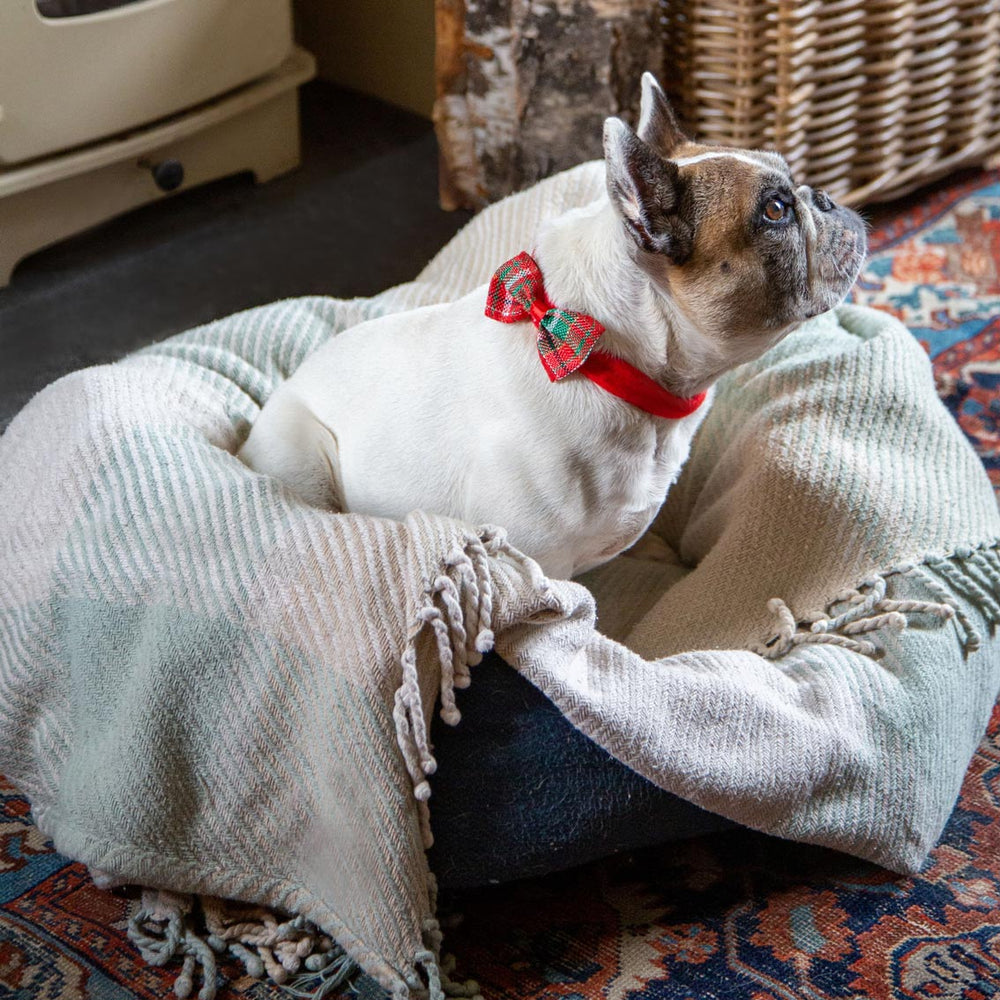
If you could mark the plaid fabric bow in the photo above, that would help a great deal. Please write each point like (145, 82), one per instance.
(565, 338)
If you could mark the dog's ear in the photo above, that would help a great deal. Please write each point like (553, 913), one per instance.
(657, 123)
(645, 190)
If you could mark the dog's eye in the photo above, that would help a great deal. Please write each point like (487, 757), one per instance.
(776, 209)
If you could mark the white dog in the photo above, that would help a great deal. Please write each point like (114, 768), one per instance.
(500, 409)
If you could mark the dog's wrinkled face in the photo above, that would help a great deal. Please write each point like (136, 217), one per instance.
(764, 253)
(742, 252)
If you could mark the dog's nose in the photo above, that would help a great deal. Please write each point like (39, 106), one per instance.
(823, 201)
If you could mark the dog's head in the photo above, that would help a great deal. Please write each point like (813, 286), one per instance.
(743, 253)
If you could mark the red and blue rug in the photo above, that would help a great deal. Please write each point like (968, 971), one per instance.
(937, 267)
(738, 915)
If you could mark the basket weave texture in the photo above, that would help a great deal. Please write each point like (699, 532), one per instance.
(867, 99)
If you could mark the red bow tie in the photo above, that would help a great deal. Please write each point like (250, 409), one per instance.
(566, 340)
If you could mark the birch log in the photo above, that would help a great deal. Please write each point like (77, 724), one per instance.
(524, 86)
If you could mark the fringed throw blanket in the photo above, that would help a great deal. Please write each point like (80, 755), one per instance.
(210, 688)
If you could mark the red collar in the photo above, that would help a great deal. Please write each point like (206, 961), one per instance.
(566, 341)
(626, 382)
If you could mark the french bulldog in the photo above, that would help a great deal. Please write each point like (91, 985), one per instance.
(559, 401)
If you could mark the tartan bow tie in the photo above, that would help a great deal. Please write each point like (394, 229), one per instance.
(565, 337)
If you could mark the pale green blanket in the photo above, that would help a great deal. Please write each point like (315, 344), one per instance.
(209, 687)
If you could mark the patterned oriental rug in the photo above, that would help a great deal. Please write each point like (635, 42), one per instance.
(736, 915)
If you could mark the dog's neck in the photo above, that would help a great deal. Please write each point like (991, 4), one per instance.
(588, 264)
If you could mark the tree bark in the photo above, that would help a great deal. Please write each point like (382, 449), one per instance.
(524, 86)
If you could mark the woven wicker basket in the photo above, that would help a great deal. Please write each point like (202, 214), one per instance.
(867, 99)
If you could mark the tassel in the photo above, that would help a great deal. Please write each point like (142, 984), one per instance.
(161, 930)
(455, 604)
(970, 573)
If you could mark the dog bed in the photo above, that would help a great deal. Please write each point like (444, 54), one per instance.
(209, 688)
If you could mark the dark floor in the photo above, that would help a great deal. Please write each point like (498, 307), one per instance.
(360, 214)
